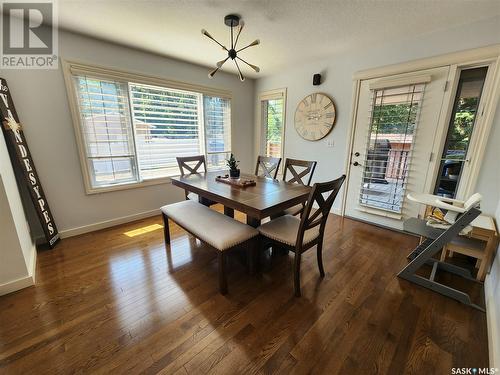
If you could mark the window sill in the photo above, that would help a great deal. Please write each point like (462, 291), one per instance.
(136, 185)
(127, 186)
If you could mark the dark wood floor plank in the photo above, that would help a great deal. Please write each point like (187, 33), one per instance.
(119, 301)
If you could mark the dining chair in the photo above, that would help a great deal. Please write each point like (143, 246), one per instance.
(192, 165)
(301, 173)
(269, 166)
(300, 234)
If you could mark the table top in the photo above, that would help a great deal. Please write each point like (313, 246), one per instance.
(266, 198)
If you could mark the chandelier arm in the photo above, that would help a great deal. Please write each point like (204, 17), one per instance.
(239, 70)
(220, 63)
(204, 32)
(254, 67)
(238, 35)
(212, 73)
(254, 43)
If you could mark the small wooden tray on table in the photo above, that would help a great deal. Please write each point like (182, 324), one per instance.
(238, 182)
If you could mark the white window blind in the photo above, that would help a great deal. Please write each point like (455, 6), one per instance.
(132, 132)
(106, 130)
(167, 125)
(393, 122)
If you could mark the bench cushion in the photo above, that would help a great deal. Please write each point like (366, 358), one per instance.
(285, 228)
(218, 230)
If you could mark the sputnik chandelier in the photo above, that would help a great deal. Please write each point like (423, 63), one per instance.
(232, 21)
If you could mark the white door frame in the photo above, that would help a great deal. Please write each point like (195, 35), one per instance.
(490, 56)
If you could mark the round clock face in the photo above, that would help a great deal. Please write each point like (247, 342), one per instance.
(315, 117)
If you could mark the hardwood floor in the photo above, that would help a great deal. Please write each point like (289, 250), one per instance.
(116, 301)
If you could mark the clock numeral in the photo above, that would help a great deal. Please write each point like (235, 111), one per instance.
(327, 124)
(330, 115)
(328, 105)
(313, 98)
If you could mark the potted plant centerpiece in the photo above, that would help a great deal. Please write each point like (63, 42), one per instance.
(232, 163)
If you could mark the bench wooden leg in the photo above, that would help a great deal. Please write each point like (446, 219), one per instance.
(252, 251)
(228, 211)
(166, 230)
(222, 272)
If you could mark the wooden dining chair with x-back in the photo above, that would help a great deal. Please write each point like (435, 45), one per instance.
(267, 166)
(193, 165)
(299, 235)
(300, 172)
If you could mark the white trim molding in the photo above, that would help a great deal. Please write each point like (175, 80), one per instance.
(270, 95)
(73, 68)
(107, 223)
(493, 321)
(23, 282)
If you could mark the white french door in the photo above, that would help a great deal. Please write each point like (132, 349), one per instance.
(395, 130)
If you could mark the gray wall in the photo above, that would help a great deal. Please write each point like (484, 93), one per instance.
(338, 71)
(42, 104)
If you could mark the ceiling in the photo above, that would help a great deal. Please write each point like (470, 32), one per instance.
(290, 31)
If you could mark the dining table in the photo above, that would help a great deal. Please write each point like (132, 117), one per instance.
(268, 197)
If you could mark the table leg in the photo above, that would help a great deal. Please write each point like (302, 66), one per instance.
(489, 250)
(204, 201)
(254, 251)
(253, 222)
(228, 211)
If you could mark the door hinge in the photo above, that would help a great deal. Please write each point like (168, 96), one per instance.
(431, 156)
(446, 84)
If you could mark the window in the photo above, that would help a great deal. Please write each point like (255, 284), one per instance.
(272, 107)
(390, 140)
(463, 119)
(131, 131)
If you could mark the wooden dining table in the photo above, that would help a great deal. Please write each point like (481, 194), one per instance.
(266, 198)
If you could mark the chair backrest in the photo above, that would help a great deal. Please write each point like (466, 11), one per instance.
(310, 218)
(269, 166)
(191, 164)
(293, 166)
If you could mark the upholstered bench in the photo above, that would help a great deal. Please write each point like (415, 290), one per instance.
(220, 232)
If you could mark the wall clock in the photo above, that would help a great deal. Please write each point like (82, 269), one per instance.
(315, 116)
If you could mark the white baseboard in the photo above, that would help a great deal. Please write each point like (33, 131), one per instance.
(336, 211)
(106, 224)
(21, 283)
(492, 316)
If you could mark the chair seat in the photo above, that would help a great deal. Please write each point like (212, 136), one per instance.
(294, 210)
(284, 229)
(218, 230)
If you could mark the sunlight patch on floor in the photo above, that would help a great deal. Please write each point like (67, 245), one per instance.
(143, 230)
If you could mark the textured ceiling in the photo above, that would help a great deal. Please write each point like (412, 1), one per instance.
(291, 31)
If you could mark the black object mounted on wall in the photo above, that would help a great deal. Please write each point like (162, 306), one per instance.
(317, 79)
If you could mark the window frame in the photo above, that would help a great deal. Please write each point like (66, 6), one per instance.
(73, 68)
(270, 95)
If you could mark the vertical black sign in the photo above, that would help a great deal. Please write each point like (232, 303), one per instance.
(22, 162)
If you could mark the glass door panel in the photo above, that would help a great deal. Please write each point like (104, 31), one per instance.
(460, 129)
